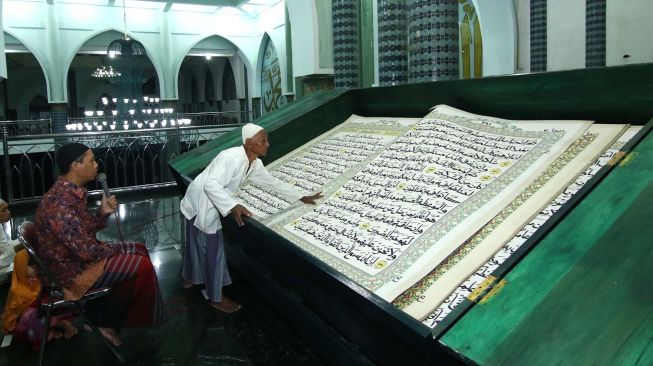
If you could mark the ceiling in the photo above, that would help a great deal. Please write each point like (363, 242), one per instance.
(249, 7)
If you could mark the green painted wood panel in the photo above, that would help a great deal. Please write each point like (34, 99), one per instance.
(620, 94)
(583, 295)
(559, 303)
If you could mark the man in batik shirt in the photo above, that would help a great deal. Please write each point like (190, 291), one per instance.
(69, 247)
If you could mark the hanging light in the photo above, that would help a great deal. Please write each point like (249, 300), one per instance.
(125, 46)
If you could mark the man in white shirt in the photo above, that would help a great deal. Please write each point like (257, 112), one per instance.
(213, 193)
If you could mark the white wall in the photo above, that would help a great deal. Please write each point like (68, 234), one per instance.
(629, 32)
(272, 23)
(308, 37)
(565, 34)
(324, 21)
(3, 59)
(499, 30)
(523, 16)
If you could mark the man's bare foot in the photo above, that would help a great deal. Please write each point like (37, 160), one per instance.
(111, 335)
(66, 327)
(186, 284)
(226, 305)
(54, 334)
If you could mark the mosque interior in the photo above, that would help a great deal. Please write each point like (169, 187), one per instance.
(347, 89)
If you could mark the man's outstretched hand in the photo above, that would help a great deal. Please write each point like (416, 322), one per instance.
(311, 199)
(238, 212)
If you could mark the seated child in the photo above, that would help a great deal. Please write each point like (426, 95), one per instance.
(7, 252)
(20, 313)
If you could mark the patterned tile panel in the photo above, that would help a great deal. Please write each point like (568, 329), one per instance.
(595, 20)
(256, 107)
(393, 53)
(345, 43)
(538, 35)
(432, 40)
(59, 120)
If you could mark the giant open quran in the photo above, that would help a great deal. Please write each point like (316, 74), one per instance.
(418, 210)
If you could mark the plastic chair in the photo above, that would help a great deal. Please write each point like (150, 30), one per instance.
(52, 298)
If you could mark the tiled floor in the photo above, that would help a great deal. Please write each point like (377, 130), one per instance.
(194, 334)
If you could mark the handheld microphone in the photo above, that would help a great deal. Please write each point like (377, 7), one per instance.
(101, 178)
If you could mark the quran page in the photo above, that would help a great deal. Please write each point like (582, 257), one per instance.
(430, 291)
(390, 218)
(323, 161)
(469, 284)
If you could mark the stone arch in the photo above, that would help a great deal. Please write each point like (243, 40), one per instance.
(228, 91)
(68, 59)
(239, 52)
(209, 86)
(37, 105)
(40, 58)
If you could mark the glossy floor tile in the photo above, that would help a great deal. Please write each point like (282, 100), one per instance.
(194, 333)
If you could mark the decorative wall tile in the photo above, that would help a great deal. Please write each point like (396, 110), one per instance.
(345, 43)
(432, 40)
(59, 118)
(393, 52)
(244, 108)
(246, 87)
(538, 35)
(595, 21)
(256, 107)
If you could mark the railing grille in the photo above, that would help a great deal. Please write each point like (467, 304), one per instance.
(130, 159)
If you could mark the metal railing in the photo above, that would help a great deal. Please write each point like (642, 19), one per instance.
(161, 229)
(26, 127)
(217, 118)
(44, 126)
(131, 160)
(157, 223)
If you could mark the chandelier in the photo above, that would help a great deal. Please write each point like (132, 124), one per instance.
(104, 72)
(128, 56)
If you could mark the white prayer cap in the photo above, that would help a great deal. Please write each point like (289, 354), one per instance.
(249, 130)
